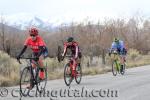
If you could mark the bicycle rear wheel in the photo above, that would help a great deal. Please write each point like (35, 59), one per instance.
(67, 76)
(123, 70)
(78, 74)
(59, 56)
(114, 68)
(25, 81)
(41, 83)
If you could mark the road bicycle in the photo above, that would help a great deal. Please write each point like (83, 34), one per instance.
(30, 76)
(116, 64)
(69, 75)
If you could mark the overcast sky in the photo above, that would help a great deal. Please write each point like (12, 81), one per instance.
(75, 9)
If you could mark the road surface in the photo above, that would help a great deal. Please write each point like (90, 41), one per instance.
(134, 85)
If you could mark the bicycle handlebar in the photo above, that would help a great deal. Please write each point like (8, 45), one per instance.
(19, 61)
(69, 56)
(31, 58)
(27, 57)
(114, 52)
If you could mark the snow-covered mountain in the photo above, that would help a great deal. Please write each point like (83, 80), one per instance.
(24, 21)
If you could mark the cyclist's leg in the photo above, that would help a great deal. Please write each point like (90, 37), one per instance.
(41, 65)
(122, 62)
(121, 59)
(79, 58)
(74, 65)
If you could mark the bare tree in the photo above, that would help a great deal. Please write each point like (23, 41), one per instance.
(2, 33)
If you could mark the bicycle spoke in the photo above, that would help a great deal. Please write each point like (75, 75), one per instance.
(67, 77)
(41, 83)
(25, 81)
(78, 74)
(114, 68)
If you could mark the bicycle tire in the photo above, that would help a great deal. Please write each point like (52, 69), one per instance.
(59, 57)
(41, 84)
(26, 72)
(67, 82)
(123, 71)
(114, 68)
(78, 71)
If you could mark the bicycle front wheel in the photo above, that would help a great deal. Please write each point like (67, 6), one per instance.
(78, 74)
(114, 68)
(67, 75)
(41, 83)
(25, 81)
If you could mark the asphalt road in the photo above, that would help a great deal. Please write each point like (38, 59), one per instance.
(134, 85)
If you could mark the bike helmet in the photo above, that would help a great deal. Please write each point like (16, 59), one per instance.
(116, 39)
(70, 39)
(33, 31)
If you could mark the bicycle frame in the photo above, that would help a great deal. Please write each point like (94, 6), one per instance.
(117, 65)
(71, 66)
(33, 76)
(116, 59)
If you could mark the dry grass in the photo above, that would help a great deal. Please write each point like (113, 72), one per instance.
(138, 61)
(9, 70)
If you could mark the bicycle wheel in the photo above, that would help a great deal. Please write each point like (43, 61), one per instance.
(78, 74)
(59, 57)
(114, 68)
(67, 75)
(25, 81)
(123, 70)
(41, 83)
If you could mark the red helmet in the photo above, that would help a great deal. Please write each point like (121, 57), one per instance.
(33, 31)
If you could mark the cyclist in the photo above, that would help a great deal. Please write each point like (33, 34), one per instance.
(38, 46)
(75, 52)
(120, 47)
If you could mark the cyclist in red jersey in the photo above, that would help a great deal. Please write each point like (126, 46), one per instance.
(38, 46)
(75, 51)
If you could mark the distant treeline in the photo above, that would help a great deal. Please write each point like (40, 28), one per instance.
(93, 38)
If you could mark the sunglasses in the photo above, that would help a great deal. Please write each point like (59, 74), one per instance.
(32, 35)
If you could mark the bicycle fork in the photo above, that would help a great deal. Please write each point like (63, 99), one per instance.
(117, 65)
(73, 69)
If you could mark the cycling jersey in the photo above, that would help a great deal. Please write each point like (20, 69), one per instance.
(34, 45)
(74, 49)
(119, 46)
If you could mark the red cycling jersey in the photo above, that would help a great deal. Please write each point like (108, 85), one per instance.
(34, 45)
(73, 47)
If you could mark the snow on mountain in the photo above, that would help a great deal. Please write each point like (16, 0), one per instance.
(23, 21)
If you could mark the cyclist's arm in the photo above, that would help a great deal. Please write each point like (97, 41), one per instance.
(41, 50)
(77, 49)
(65, 50)
(122, 46)
(113, 46)
(23, 50)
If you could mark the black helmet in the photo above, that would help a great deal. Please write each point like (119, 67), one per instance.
(70, 39)
(116, 39)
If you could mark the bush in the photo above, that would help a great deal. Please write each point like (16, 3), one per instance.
(9, 70)
(133, 53)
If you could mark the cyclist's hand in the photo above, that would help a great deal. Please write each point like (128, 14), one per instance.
(62, 58)
(76, 58)
(36, 58)
(18, 59)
